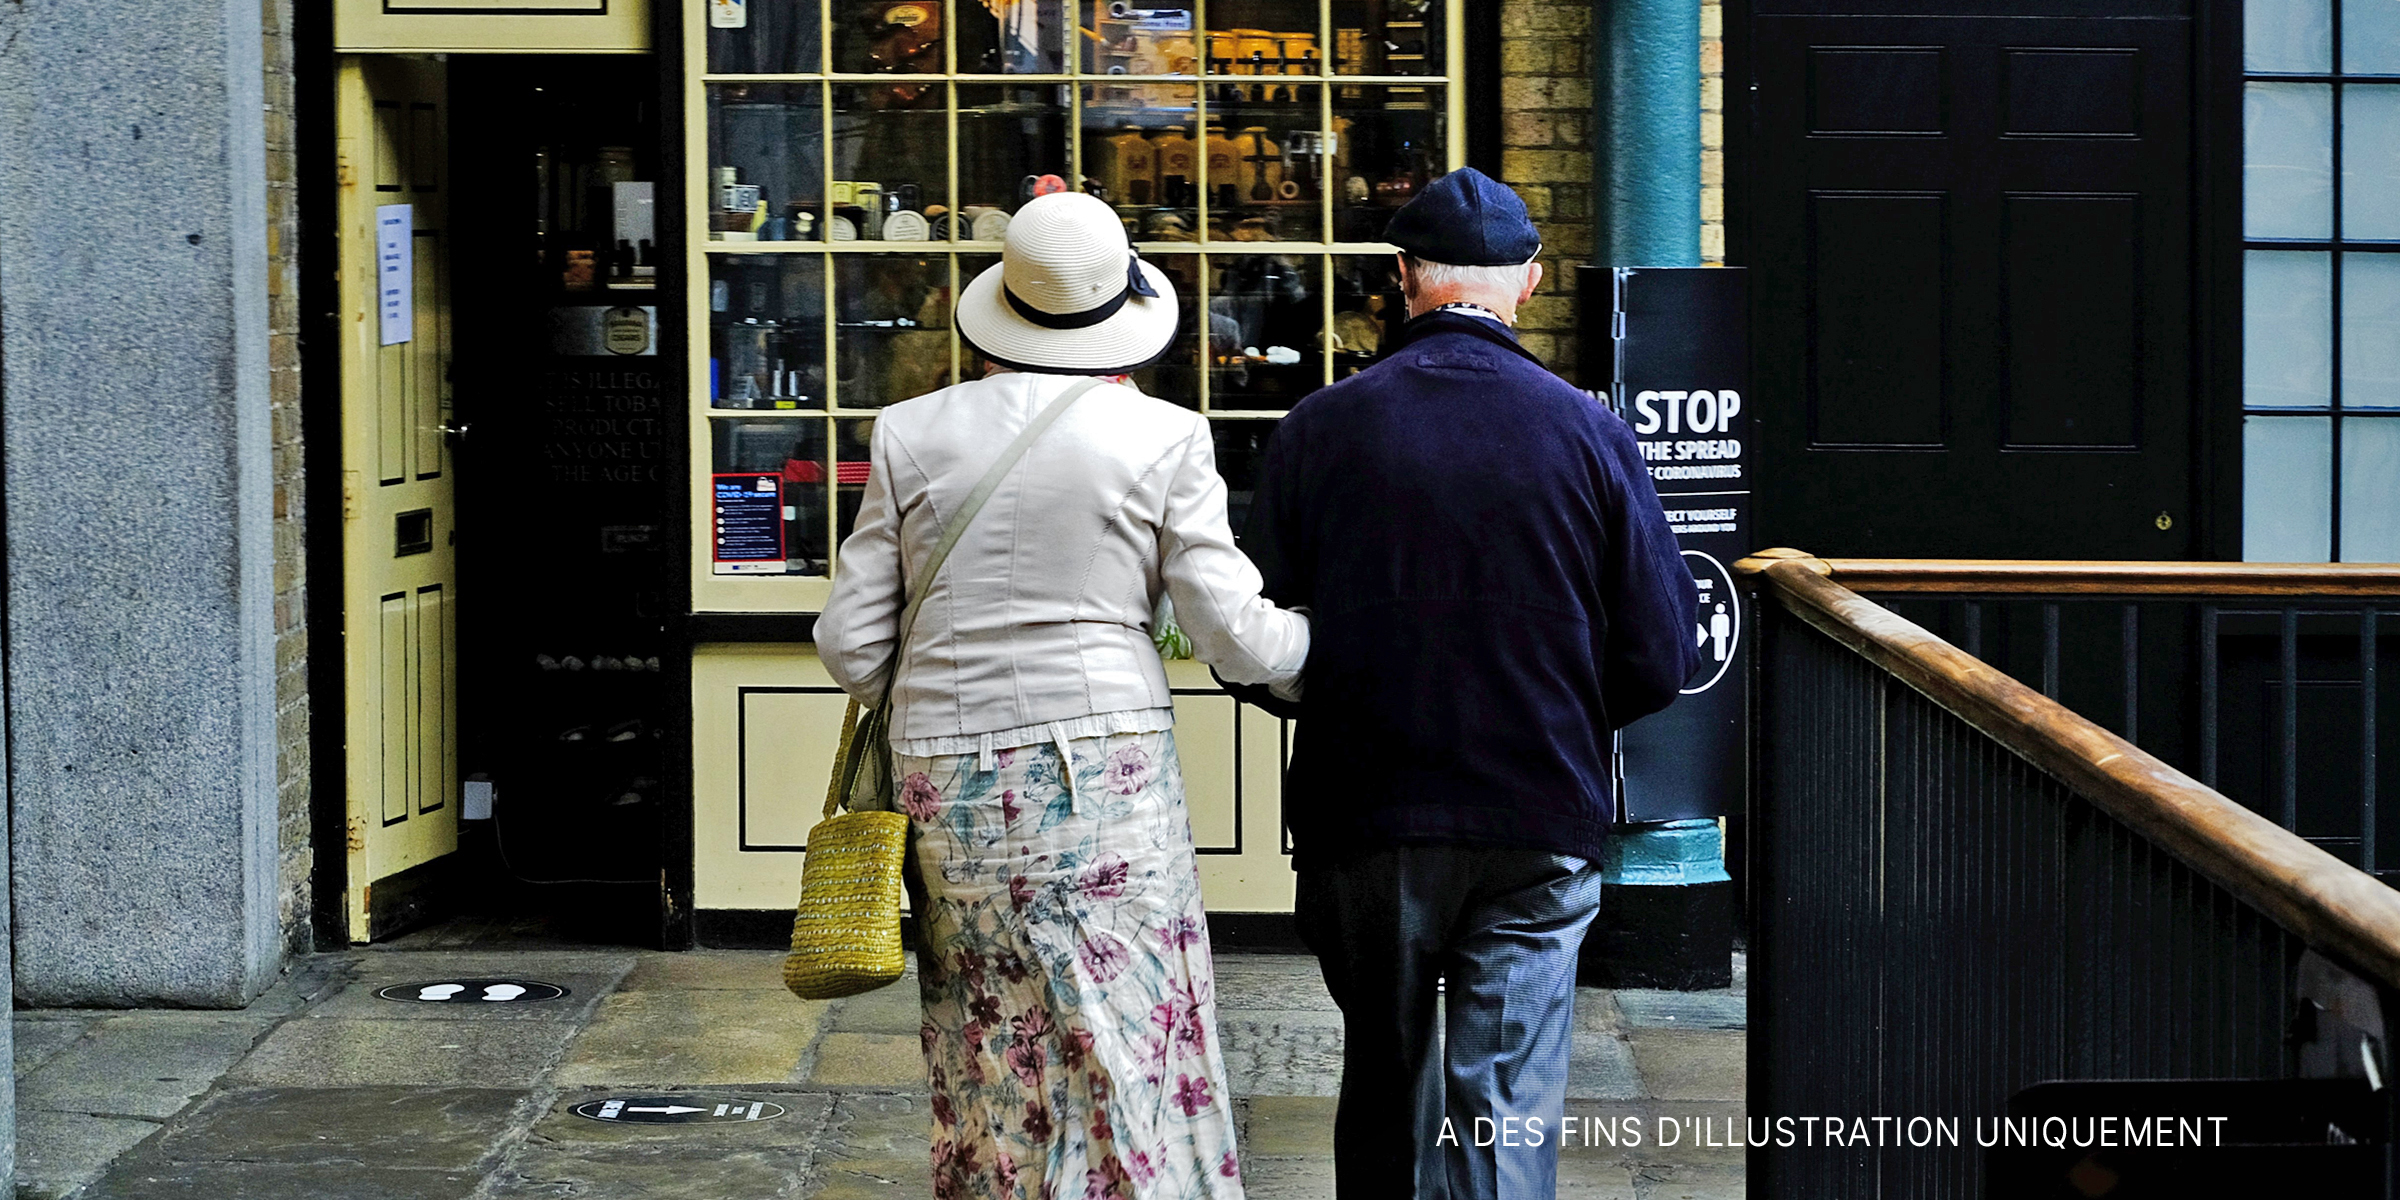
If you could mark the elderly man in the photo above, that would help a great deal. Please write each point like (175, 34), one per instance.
(1495, 590)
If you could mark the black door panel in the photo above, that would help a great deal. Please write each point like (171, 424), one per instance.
(1971, 249)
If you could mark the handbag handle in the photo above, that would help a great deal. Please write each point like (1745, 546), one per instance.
(955, 529)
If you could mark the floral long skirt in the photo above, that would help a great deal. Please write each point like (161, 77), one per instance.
(1070, 1017)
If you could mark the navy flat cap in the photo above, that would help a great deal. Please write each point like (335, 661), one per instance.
(1467, 219)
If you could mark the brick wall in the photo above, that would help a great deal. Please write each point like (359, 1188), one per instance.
(1546, 154)
(1546, 151)
(283, 380)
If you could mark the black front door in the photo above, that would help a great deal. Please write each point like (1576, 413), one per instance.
(1971, 241)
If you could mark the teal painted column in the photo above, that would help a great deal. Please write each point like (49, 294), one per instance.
(1646, 133)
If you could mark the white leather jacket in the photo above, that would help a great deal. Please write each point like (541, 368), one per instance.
(1043, 611)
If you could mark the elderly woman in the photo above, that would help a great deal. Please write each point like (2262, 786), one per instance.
(1070, 1023)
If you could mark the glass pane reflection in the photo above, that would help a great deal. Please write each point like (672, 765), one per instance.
(1135, 38)
(2287, 160)
(773, 37)
(1012, 146)
(894, 37)
(2287, 484)
(766, 180)
(890, 146)
(1388, 37)
(1388, 144)
(2287, 328)
(767, 331)
(1367, 309)
(2371, 333)
(1263, 169)
(1264, 311)
(1138, 154)
(1012, 37)
(891, 327)
(2371, 489)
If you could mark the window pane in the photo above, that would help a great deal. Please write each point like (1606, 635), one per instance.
(1264, 311)
(888, 141)
(2287, 327)
(1143, 39)
(2370, 36)
(2289, 35)
(2371, 331)
(2287, 160)
(2371, 159)
(766, 325)
(1387, 143)
(2371, 489)
(1024, 37)
(891, 327)
(1260, 165)
(770, 498)
(1376, 37)
(775, 37)
(766, 182)
(1139, 154)
(2287, 485)
(1012, 146)
(898, 37)
(1367, 307)
(1262, 37)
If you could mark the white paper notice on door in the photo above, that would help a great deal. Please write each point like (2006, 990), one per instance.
(395, 286)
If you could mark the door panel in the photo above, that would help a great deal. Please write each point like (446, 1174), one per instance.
(399, 579)
(1973, 312)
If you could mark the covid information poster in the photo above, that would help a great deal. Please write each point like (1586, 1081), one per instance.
(746, 525)
(1678, 355)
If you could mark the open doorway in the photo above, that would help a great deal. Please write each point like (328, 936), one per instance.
(507, 717)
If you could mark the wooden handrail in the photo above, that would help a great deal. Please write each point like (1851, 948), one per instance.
(2001, 576)
(2324, 901)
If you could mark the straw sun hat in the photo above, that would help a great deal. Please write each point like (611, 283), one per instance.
(1069, 296)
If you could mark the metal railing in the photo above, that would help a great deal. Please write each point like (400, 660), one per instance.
(1962, 888)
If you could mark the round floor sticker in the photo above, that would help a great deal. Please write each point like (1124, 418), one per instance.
(473, 991)
(678, 1110)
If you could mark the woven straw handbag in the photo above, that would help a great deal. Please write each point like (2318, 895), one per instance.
(846, 933)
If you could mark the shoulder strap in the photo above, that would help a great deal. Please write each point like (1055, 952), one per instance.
(966, 514)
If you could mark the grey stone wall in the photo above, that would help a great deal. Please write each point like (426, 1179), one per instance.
(142, 667)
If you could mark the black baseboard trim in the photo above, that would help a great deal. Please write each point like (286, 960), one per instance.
(412, 899)
(771, 929)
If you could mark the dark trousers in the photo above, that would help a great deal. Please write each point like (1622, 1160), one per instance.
(1503, 928)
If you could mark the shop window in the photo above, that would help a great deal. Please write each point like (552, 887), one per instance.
(856, 161)
(2321, 281)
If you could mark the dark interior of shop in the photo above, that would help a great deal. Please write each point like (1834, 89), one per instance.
(565, 488)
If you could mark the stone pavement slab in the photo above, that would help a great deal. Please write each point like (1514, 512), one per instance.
(58, 1153)
(1692, 1064)
(140, 1180)
(876, 1147)
(1280, 1052)
(365, 1053)
(1601, 1066)
(875, 1060)
(1284, 1126)
(365, 1127)
(732, 970)
(38, 1039)
(692, 1038)
(143, 1064)
(747, 1174)
(897, 1008)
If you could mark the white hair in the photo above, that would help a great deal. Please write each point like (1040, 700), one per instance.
(1447, 276)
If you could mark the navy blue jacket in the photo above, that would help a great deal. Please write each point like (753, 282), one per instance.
(1493, 590)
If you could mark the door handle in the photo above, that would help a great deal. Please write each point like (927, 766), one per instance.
(454, 432)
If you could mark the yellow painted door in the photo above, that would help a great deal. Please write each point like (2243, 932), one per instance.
(399, 578)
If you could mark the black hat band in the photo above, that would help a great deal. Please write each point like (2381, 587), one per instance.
(1136, 284)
